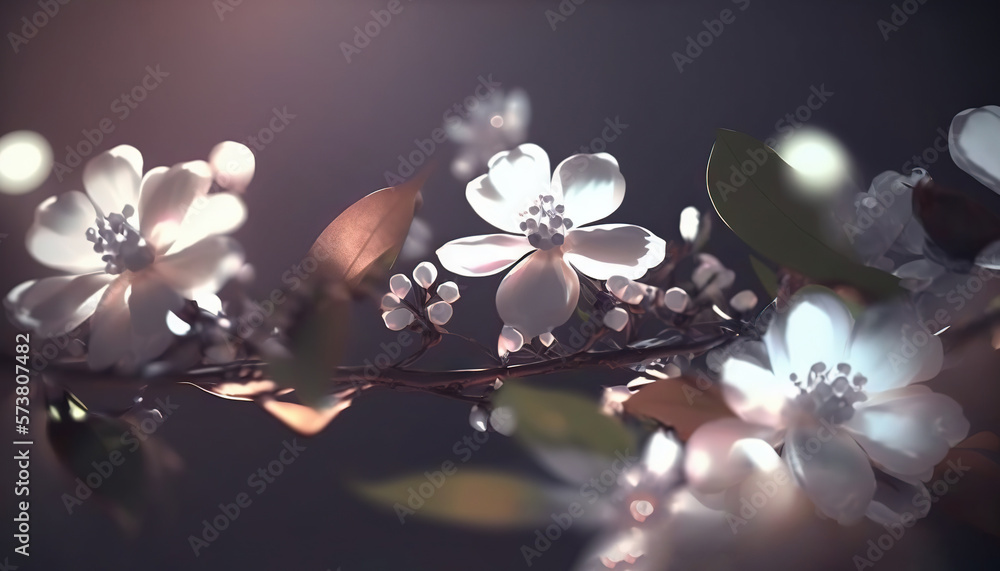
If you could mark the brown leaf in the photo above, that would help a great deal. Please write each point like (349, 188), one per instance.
(682, 403)
(305, 420)
(370, 233)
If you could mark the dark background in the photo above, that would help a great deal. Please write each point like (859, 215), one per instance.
(607, 60)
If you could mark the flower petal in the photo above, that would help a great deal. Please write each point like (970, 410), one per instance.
(832, 469)
(892, 349)
(112, 178)
(54, 306)
(754, 393)
(614, 249)
(516, 177)
(910, 434)
(973, 139)
(211, 215)
(58, 237)
(110, 329)
(592, 187)
(815, 329)
(539, 294)
(483, 255)
(167, 195)
(895, 498)
(150, 302)
(204, 267)
(718, 453)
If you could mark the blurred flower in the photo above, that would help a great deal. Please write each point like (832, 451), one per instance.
(690, 221)
(973, 139)
(157, 241)
(496, 124)
(541, 292)
(840, 397)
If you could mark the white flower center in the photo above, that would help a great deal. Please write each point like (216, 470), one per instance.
(828, 393)
(119, 243)
(543, 223)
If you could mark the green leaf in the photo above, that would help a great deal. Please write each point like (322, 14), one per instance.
(369, 234)
(764, 205)
(470, 497)
(560, 419)
(766, 275)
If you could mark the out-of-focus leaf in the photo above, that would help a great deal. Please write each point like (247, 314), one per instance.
(369, 234)
(967, 482)
(477, 498)
(317, 343)
(555, 419)
(768, 278)
(678, 404)
(756, 194)
(305, 420)
(958, 224)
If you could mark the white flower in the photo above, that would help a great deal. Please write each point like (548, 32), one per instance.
(157, 241)
(841, 398)
(517, 196)
(496, 124)
(972, 140)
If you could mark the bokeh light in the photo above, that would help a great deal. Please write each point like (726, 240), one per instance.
(25, 161)
(821, 161)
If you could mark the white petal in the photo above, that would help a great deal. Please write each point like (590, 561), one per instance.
(112, 178)
(832, 469)
(894, 498)
(233, 165)
(744, 301)
(425, 274)
(663, 454)
(592, 187)
(210, 215)
(483, 255)
(626, 290)
(510, 341)
(892, 349)
(478, 418)
(400, 285)
(150, 302)
(516, 178)
(204, 267)
(616, 319)
(547, 339)
(676, 299)
(539, 294)
(711, 273)
(389, 302)
(398, 319)
(58, 237)
(166, 197)
(110, 329)
(815, 329)
(439, 312)
(54, 306)
(974, 139)
(716, 456)
(754, 393)
(614, 249)
(449, 292)
(690, 221)
(911, 434)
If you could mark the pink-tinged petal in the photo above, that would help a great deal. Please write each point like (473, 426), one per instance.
(477, 256)
(832, 469)
(592, 187)
(974, 139)
(722, 453)
(816, 328)
(112, 178)
(167, 195)
(54, 306)
(754, 393)
(211, 215)
(539, 294)
(233, 165)
(516, 178)
(58, 237)
(202, 268)
(150, 301)
(614, 250)
(892, 349)
(910, 434)
(110, 340)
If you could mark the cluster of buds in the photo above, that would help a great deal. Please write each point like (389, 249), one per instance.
(398, 313)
